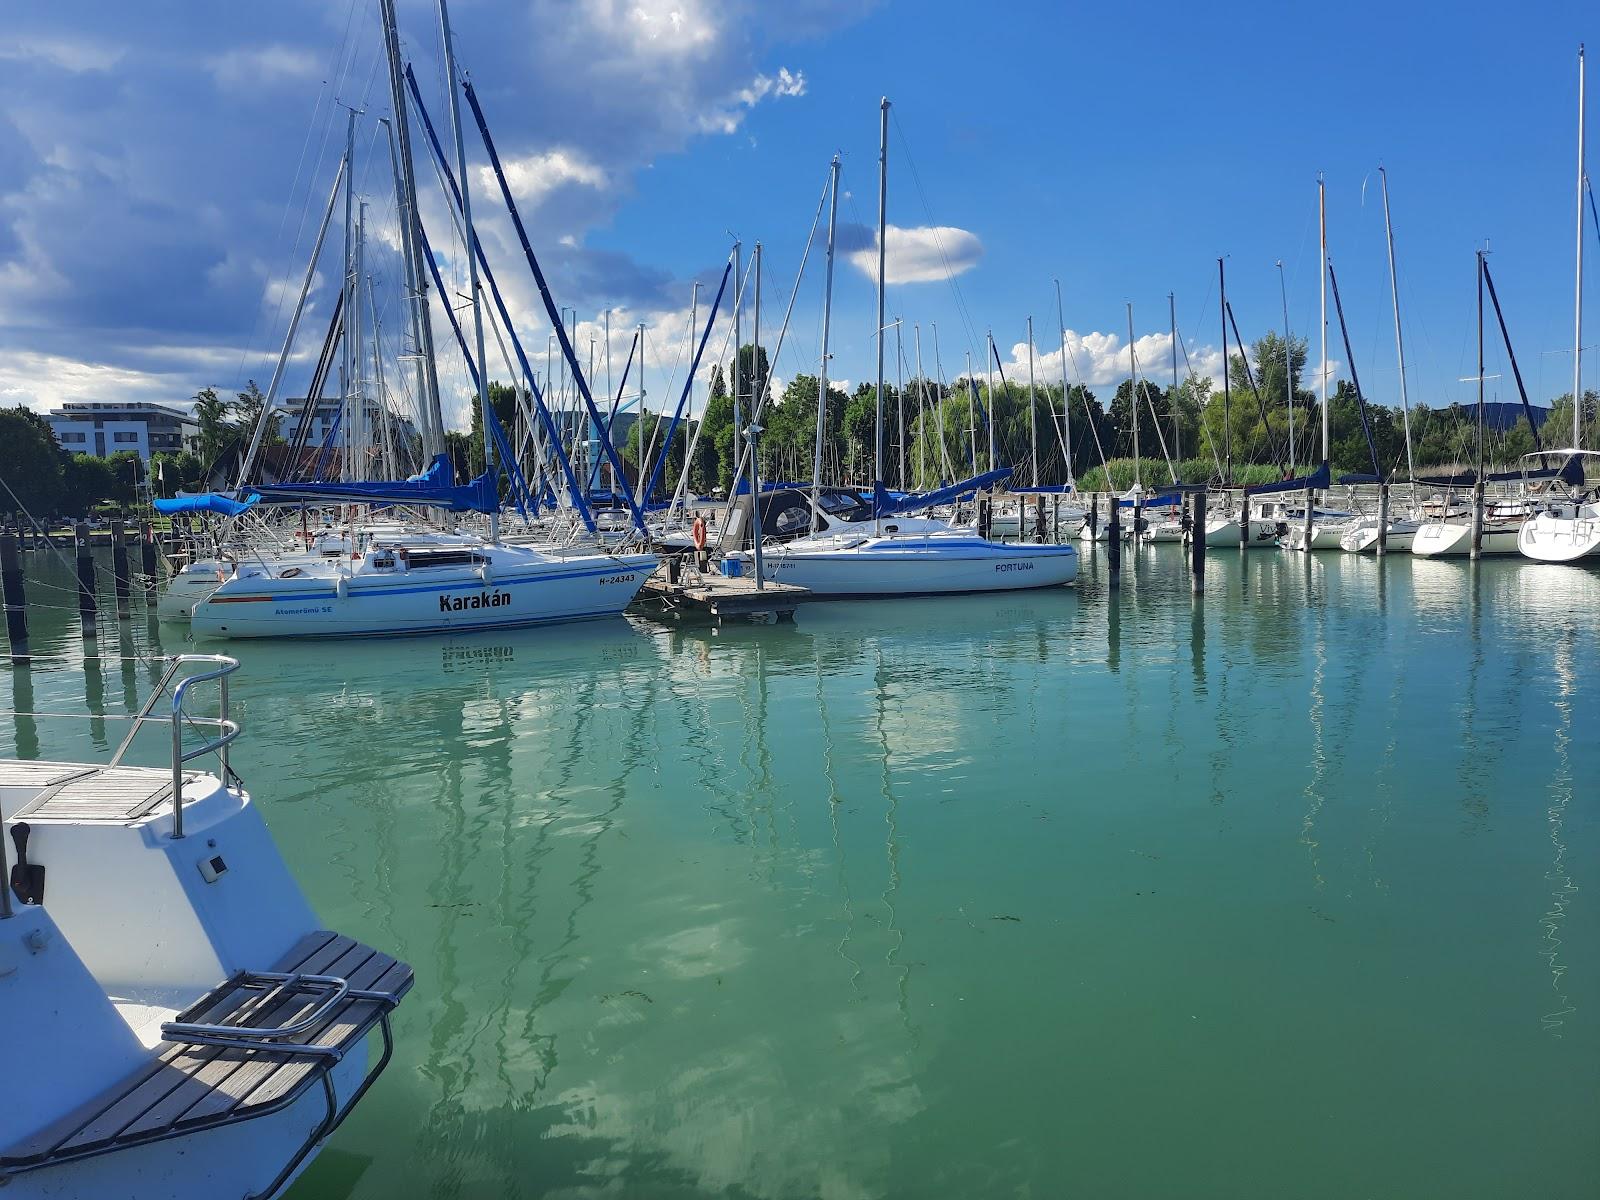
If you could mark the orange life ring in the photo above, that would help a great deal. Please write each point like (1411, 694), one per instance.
(698, 533)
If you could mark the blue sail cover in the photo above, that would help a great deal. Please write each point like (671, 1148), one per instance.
(481, 495)
(1165, 500)
(1317, 480)
(207, 502)
(885, 505)
(1046, 489)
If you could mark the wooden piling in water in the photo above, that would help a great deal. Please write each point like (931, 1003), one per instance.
(147, 562)
(1383, 519)
(1197, 544)
(86, 602)
(121, 583)
(1055, 519)
(15, 600)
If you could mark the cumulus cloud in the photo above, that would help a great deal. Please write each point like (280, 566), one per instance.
(178, 212)
(46, 380)
(922, 254)
(1101, 359)
(67, 54)
(727, 115)
(534, 176)
(248, 68)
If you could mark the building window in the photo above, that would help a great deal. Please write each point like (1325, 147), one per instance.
(71, 437)
(124, 437)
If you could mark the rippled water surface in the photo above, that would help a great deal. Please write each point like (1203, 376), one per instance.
(1287, 892)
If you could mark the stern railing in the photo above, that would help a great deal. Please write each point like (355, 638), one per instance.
(226, 730)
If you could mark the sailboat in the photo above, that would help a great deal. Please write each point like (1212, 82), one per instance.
(1569, 529)
(1494, 529)
(1311, 527)
(186, 1025)
(880, 549)
(1362, 534)
(402, 581)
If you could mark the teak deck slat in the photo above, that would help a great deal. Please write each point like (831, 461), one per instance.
(197, 1086)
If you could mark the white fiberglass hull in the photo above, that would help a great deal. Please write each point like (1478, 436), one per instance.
(1451, 539)
(178, 596)
(1325, 535)
(918, 566)
(1362, 538)
(1224, 531)
(536, 591)
(1563, 534)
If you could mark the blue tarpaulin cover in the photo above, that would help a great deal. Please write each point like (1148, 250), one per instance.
(1318, 480)
(885, 505)
(209, 502)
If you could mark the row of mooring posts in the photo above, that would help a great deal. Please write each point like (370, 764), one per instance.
(13, 590)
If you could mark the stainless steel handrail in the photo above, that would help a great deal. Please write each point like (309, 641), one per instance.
(218, 745)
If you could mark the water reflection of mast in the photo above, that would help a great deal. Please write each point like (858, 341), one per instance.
(1561, 788)
(834, 800)
(1314, 792)
(891, 812)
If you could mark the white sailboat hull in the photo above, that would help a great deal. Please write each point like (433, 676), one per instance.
(1362, 538)
(538, 592)
(1450, 539)
(919, 566)
(1563, 534)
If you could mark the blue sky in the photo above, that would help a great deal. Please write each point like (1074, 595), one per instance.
(159, 169)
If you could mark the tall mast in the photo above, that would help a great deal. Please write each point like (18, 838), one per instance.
(1288, 365)
(1322, 225)
(1394, 298)
(1577, 299)
(1480, 370)
(900, 399)
(1172, 317)
(471, 238)
(1227, 394)
(347, 364)
(738, 354)
(883, 217)
(922, 404)
(972, 414)
(1066, 406)
(1133, 398)
(1033, 431)
(822, 375)
(994, 412)
(256, 437)
(416, 285)
(360, 433)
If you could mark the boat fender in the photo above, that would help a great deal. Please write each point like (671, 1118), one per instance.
(486, 574)
(698, 533)
(341, 589)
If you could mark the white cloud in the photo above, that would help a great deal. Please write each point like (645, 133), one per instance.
(245, 68)
(43, 381)
(534, 176)
(669, 28)
(726, 116)
(68, 54)
(1099, 360)
(922, 254)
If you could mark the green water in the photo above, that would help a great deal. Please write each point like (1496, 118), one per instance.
(1286, 893)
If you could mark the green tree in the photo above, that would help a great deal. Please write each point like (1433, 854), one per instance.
(211, 413)
(247, 410)
(30, 462)
(87, 481)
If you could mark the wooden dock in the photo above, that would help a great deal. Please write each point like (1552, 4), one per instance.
(718, 598)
